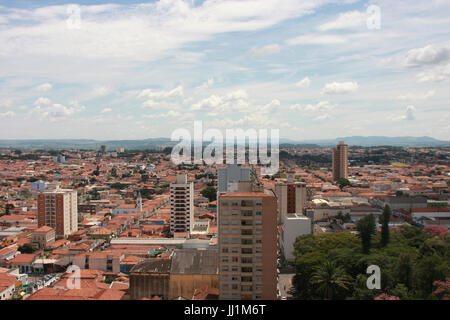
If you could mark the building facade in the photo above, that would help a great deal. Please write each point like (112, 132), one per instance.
(340, 161)
(294, 225)
(57, 208)
(227, 177)
(186, 271)
(181, 205)
(291, 197)
(248, 246)
(43, 236)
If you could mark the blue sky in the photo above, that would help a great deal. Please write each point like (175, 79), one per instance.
(313, 69)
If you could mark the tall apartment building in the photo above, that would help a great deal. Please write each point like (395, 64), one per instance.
(248, 245)
(340, 161)
(228, 177)
(181, 205)
(291, 197)
(57, 208)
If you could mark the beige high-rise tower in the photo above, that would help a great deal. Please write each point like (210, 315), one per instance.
(248, 245)
(340, 161)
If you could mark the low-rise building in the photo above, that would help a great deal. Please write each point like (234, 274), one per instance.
(43, 236)
(179, 276)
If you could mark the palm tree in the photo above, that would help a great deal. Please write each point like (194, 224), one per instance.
(329, 277)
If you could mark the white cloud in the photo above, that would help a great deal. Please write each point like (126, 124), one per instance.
(144, 32)
(321, 106)
(316, 39)
(340, 87)
(42, 101)
(150, 104)
(409, 114)
(233, 101)
(270, 108)
(169, 114)
(161, 95)
(209, 83)
(44, 87)
(437, 74)
(6, 102)
(7, 114)
(428, 55)
(412, 96)
(322, 117)
(304, 83)
(106, 110)
(346, 20)
(265, 50)
(99, 91)
(253, 121)
(46, 111)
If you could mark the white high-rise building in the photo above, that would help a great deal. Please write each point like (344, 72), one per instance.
(181, 205)
(294, 225)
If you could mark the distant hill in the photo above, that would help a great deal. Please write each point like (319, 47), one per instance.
(153, 143)
(372, 141)
(87, 144)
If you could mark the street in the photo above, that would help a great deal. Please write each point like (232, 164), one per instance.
(285, 283)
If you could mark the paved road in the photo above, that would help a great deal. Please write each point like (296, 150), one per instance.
(285, 283)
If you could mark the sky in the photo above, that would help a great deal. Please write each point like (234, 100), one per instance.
(312, 69)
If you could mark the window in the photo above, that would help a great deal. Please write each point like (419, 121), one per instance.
(246, 213)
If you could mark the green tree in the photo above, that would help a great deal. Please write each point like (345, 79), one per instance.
(118, 185)
(210, 193)
(404, 269)
(329, 278)
(8, 207)
(384, 220)
(429, 269)
(27, 248)
(114, 172)
(366, 228)
(96, 172)
(342, 182)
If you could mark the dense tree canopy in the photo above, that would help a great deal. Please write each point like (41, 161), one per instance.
(333, 265)
(210, 193)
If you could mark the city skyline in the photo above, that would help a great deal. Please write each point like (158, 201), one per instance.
(136, 71)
